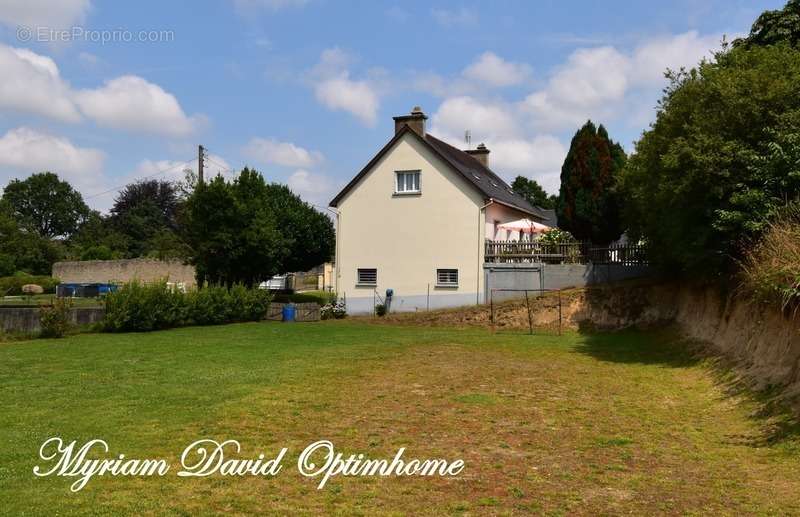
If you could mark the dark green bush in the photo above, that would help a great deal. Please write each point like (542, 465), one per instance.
(210, 306)
(12, 285)
(319, 297)
(55, 319)
(138, 307)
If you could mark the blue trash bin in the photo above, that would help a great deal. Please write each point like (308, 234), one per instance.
(288, 312)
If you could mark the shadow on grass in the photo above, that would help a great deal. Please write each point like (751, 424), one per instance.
(637, 347)
(778, 424)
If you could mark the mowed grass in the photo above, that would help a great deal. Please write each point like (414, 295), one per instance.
(625, 423)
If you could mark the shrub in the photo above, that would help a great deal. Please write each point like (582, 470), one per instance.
(771, 269)
(210, 306)
(320, 297)
(144, 307)
(256, 303)
(138, 307)
(334, 310)
(55, 319)
(557, 236)
(12, 285)
(380, 309)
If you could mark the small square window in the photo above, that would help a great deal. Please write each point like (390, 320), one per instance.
(447, 277)
(407, 182)
(367, 276)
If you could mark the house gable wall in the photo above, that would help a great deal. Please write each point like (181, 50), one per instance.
(407, 237)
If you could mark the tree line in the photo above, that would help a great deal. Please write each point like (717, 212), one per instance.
(720, 161)
(240, 231)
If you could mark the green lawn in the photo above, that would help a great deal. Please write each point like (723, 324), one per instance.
(608, 423)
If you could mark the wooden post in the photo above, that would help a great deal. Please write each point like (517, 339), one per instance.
(491, 308)
(200, 162)
(530, 320)
(559, 312)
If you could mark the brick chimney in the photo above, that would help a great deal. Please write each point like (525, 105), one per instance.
(481, 153)
(416, 121)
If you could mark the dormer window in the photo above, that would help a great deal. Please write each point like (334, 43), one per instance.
(407, 182)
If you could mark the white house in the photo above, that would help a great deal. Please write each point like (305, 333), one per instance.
(415, 220)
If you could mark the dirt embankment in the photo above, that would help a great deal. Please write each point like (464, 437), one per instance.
(764, 342)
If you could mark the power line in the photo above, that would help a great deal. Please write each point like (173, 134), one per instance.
(224, 169)
(186, 162)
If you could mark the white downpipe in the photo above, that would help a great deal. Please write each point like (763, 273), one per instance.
(481, 246)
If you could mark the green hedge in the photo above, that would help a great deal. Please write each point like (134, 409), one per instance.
(320, 297)
(12, 285)
(139, 307)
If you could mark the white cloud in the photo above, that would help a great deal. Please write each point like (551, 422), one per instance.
(31, 83)
(335, 90)
(314, 188)
(132, 103)
(89, 60)
(170, 170)
(603, 83)
(540, 158)
(651, 59)
(43, 13)
(25, 151)
(495, 71)
(461, 17)
(587, 85)
(485, 120)
(356, 97)
(281, 153)
(600, 82)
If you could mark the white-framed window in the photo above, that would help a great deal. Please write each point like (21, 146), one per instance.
(447, 277)
(367, 276)
(407, 182)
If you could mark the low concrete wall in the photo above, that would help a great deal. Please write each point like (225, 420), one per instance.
(560, 276)
(553, 276)
(122, 271)
(511, 276)
(25, 320)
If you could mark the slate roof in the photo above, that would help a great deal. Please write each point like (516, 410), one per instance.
(550, 217)
(481, 177)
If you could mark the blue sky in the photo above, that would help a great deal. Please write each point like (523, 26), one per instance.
(304, 90)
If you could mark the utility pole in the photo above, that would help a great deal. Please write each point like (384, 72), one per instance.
(201, 156)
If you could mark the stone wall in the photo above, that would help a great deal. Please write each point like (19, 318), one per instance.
(122, 271)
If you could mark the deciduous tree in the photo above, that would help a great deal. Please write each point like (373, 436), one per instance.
(46, 204)
(722, 156)
(533, 192)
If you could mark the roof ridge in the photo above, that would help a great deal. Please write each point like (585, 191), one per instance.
(466, 165)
